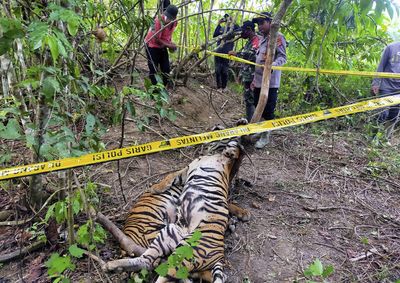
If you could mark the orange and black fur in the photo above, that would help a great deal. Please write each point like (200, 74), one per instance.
(193, 198)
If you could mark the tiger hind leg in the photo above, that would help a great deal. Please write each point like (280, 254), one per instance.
(163, 245)
(218, 275)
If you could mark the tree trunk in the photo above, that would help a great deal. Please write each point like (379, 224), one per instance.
(268, 62)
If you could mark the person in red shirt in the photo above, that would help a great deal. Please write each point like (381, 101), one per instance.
(158, 43)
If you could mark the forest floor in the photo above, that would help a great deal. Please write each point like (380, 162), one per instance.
(313, 192)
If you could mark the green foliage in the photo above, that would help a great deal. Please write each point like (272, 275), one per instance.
(10, 29)
(75, 251)
(140, 277)
(11, 131)
(89, 234)
(176, 259)
(56, 265)
(316, 271)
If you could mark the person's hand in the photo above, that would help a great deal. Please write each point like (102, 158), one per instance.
(233, 53)
(375, 89)
(252, 85)
(172, 47)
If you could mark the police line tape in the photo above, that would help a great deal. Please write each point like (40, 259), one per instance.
(185, 141)
(305, 70)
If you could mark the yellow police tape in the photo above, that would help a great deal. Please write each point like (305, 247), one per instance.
(306, 70)
(185, 141)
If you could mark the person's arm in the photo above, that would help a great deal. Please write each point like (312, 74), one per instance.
(280, 53)
(376, 82)
(217, 30)
(159, 40)
(168, 42)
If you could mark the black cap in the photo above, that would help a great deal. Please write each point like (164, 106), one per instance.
(266, 16)
(171, 12)
(226, 16)
(248, 25)
(165, 4)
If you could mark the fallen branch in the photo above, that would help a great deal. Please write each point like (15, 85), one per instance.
(125, 242)
(364, 256)
(21, 252)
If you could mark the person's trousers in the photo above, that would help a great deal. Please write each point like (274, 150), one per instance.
(268, 113)
(221, 71)
(248, 100)
(390, 114)
(158, 61)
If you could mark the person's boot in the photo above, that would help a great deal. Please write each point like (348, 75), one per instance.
(263, 141)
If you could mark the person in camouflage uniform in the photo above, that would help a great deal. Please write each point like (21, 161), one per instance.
(247, 71)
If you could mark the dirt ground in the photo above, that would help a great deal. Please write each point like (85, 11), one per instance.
(311, 193)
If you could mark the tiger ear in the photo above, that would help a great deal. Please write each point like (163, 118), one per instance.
(241, 122)
(217, 128)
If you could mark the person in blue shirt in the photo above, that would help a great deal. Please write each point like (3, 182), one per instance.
(390, 63)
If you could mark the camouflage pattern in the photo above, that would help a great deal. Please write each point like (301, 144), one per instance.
(249, 52)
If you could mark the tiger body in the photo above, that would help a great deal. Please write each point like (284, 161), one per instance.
(194, 198)
(154, 209)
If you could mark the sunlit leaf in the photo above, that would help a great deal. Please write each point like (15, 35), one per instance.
(53, 45)
(75, 251)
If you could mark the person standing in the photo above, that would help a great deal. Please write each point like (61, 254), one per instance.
(264, 26)
(158, 43)
(222, 64)
(247, 71)
(389, 63)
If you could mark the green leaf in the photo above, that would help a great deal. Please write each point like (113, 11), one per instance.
(99, 234)
(60, 211)
(144, 273)
(174, 260)
(72, 26)
(10, 29)
(50, 212)
(75, 251)
(90, 122)
(193, 240)
(162, 269)
(390, 9)
(76, 206)
(50, 87)
(57, 265)
(5, 45)
(52, 42)
(12, 131)
(83, 236)
(328, 270)
(63, 43)
(182, 273)
(185, 252)
(130, 108)
(5, 157)
(37, 33)
(315, 269)
(378, 9)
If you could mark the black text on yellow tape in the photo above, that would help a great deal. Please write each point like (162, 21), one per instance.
(184, 141)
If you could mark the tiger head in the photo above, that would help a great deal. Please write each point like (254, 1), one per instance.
(232, 148)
